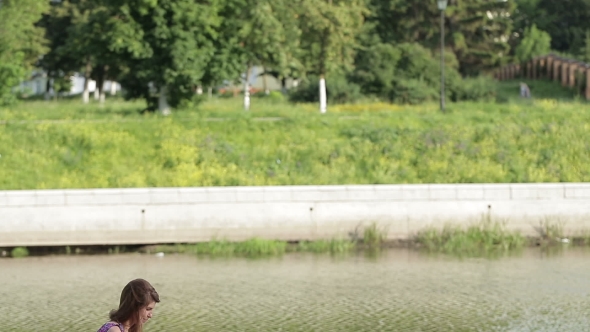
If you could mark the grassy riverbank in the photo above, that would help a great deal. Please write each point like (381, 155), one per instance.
(67, 145)
(483, 239)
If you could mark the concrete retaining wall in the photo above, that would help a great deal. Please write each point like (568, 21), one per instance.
(167, 215)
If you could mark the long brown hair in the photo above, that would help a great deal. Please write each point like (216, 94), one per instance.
(136, 294)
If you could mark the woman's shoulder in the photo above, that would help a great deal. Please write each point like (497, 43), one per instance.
(111, 327)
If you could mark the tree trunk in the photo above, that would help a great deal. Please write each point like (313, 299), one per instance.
(102, 95)
(101, 83)
(48, 88)
(163, 106)
(247, 90)
(86, 93)
(284, 85)
(323, 96)
(210, 92)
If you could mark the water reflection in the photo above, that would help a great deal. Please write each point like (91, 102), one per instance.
(396, 290)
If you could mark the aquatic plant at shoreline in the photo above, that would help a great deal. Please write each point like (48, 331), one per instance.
(484, 236)
(334, 246)
(250, 248)
(373, 237)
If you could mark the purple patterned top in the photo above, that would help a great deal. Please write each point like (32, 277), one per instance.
(108, 325)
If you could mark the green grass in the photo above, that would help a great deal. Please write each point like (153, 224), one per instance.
(54, 145)
(509, 91)
(254, 247)
(551, 230)
(257, 247)
(334, 246)
(483, 237)
(373, 237)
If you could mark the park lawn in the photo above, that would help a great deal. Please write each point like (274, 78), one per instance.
(66, 144)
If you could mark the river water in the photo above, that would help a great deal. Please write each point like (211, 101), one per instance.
(398, 290)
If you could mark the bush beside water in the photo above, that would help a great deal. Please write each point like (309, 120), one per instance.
(19, 252)
(373, 237)
(483, 237)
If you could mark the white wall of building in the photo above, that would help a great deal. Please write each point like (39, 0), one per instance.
(38, 82)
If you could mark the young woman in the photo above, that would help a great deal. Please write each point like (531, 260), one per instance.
(138, 300)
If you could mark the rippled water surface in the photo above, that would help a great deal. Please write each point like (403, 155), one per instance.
(397, 291)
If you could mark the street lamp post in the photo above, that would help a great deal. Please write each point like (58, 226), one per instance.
(442, 5)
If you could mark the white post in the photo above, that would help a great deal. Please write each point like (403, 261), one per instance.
(264, 82)
(247, 91)
(113, 88)
(96, 92)
(163, 106)
(199, 90)
(246, 96)
(323, 98)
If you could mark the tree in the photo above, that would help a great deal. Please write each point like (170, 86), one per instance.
(585, 51)
(85, 43)
(164, 47)
(565, 21)
(480, 32)
(262, 29)
(476, 31)
(226, 62)
(79, 35)
(526, 13)
(269, 36)
(329, 29)
(58, 65)
(21, 42)
(534, 43)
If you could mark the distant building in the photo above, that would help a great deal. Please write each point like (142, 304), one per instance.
(37, 84)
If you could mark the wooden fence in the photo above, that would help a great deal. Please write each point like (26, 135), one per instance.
(571, 73)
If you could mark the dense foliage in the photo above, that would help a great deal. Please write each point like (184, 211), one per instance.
(163, 51)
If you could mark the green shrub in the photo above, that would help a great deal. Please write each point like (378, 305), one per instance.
(191, 103)
(373, 237)
(375, 68)
(478, 238)
(19, 252)
(412, 91)
(334, 246)
(476, 89)
(535, 43)
(272, 96)
(339, 91)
